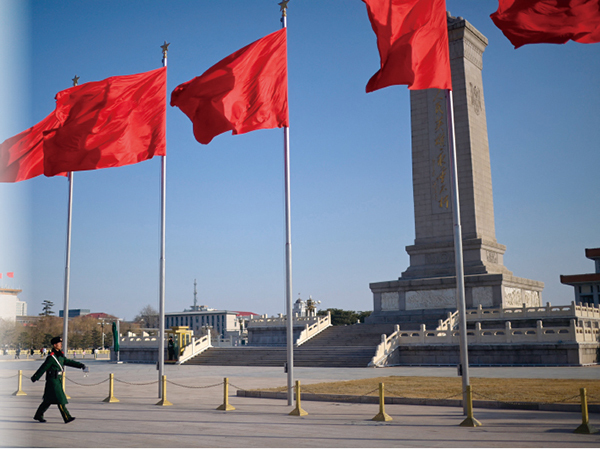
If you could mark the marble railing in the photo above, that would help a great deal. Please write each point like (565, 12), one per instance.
(311, 330)
(572, 310)
(281, 321)
(573, 333)
(196, 346)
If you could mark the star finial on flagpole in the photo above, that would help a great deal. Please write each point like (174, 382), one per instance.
(165, 49)
(75, 80)
(283, 6)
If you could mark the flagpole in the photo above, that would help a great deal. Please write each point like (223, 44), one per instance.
(65, 344)
(288, 247)
(458, 251)
(163, 215)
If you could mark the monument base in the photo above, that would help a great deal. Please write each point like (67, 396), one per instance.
(405, 298)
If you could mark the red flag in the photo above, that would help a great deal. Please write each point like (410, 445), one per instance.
(548, 21)
(21, 156)
(412, 38)
(10, 274)
(117, 121)
(244, 92)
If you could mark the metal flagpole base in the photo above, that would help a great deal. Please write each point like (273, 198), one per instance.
(470, 422)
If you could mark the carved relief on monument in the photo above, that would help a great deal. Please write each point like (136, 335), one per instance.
(483, 296)
(438, 152)
(492, 257)
(438, 258)
(475, 98)
(512, 297)
(431, 299)
(531, 298)
(390, 301)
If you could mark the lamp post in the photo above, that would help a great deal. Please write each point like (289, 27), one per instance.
(102, 324)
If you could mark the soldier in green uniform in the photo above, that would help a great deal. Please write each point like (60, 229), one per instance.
(53, 366)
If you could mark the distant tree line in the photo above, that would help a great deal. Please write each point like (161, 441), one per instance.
(341, 317)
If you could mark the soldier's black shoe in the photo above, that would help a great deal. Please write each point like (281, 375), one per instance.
(69, 420)
(39, 418)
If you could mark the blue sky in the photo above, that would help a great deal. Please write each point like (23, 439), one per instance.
(351, 180)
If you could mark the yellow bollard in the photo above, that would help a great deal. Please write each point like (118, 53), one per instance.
(20, 391)
(225, 406)
(164, 401)
(111, 389)
(382, 415)
(64, 378)
(585, 420)
(470, 421)
(298, 410)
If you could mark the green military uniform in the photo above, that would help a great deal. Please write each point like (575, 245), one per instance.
(53, 392)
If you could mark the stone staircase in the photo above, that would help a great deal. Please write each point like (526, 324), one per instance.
(336, 346)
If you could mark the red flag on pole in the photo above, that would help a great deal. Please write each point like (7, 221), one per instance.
(412, 38)
(117, 121)
(10, 274)
(21, 156)
(548, 21)
(244, 92)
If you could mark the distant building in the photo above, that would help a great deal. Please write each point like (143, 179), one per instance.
(225, 322)
(8, 303)
(587, 286)
(21, 308)
(74, 312)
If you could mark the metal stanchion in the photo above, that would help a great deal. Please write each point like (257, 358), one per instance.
(225, 406)
(111, 396)
(20, 391)
(298, 410)
(585, 419)
(382, 415)
(164, 401)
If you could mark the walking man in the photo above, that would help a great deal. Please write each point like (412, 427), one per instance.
(53, 366)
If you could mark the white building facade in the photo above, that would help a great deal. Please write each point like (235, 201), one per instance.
(8, 303)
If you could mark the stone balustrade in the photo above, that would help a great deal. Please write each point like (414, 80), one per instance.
(281, 321)
(573, 333)
(196, 346)
(311, 330)
(573, 310)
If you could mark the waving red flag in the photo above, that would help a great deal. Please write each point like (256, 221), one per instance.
(10, 274)
(548, 21)
(412, 38)
(117, 121)
(244, 92)
(21, 156)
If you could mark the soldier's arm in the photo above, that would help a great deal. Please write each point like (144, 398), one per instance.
(73, 363)
(41, 370)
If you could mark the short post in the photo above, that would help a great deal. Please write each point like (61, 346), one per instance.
(164, 401)
(382, 415)
(470, 421)
(111, 396)
(64, 379)
(298, 410)
(225, 406)
(585, 419)
(20, 391)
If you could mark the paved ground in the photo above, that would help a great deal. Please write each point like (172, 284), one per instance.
(196, 391)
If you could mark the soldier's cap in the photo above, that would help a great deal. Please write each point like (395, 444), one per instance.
(55, 340)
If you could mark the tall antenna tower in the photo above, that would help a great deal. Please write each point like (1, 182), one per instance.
(195, 296)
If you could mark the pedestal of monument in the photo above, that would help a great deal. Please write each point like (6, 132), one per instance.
(428, 287)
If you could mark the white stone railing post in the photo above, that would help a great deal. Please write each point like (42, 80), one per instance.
(508, 331)
(539, 331)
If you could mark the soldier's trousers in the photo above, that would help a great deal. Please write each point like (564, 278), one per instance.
(46, 405)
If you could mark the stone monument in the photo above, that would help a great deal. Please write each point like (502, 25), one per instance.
(429, 283)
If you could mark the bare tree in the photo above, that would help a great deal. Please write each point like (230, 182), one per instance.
(149, 315)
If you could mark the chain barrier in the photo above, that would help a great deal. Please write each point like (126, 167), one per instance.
(188, 386)
(592, 398)
(235, 386)
(9, 377)
(570, 398)
(136, 384)
(87, 385)
(389, 390)
(328, 397)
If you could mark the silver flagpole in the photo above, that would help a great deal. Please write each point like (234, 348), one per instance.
(288, 246)
(458, 251)
(163, 215)
(65, 344)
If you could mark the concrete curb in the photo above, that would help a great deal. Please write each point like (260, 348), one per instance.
(576, 408)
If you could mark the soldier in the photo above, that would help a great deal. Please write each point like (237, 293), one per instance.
(53, 366)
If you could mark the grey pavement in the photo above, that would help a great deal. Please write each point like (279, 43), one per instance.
(196, 392)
